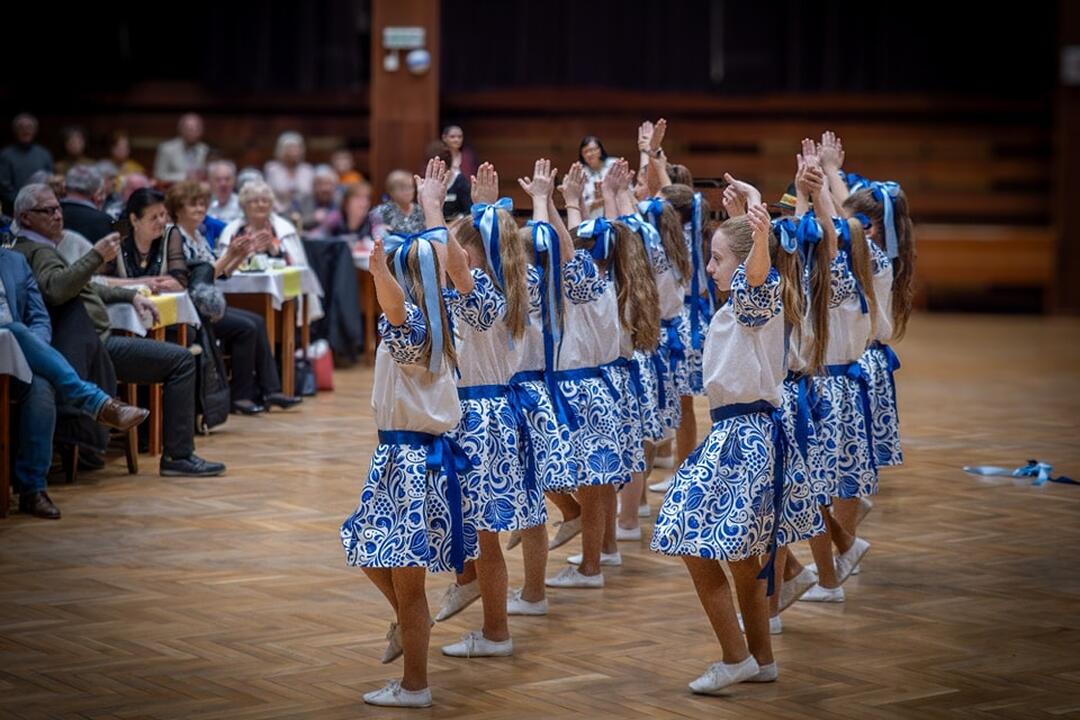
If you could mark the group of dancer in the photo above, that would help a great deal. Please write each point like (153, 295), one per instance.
(552, 360)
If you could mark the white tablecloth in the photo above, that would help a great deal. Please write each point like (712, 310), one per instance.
(273, 283)
(362, 261)
(124, 316)
(12, 360)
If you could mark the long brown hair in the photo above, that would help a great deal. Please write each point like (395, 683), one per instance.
(639, 300)
(413, 284)
(674, 245)
(513, 258)
(681, 198)
(903, 265)
(862, 265)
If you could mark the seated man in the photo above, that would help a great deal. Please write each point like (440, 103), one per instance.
(136, 360)
(86, 194)
(22, 311)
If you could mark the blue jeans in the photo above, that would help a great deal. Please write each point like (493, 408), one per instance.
(46, 361)
(53, 379)
(37, 422)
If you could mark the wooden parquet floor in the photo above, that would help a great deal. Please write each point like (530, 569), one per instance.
(229, 597)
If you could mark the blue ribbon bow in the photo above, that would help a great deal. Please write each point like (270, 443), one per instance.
(885, 193)
(603, 234)
(787, 230)
(650, 237)
(485, 219)
(424, 241)
(443, 454)
(855, 182)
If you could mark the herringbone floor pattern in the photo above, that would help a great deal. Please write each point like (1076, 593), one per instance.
(228, 598)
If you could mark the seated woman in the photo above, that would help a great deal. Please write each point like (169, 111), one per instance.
(353, 218)
(400, 213)
(271, 235)
(255, 383)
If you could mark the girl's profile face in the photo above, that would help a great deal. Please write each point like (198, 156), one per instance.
(722, 262)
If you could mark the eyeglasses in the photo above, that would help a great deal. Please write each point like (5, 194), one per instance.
(50, 210)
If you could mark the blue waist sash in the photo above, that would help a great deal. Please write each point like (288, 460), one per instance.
(855, 372)
(806, 403)
(700, 314)
(672, 341)
(661, 371)
(635, 377)
(564, 411)
(780, 448)
(443, 454)
(520, 401)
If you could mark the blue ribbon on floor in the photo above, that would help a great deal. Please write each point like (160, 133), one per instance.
(443, 454)
(1034, 469)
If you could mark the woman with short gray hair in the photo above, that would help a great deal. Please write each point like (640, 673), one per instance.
(288, 175)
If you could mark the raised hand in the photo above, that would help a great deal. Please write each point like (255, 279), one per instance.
(734, 202)
(485, 184)
(831, 152)
(810, 153)
(760, 222)
(617, 179)
(573, 185)
(750, 194)
(542, 182)
(377, 261)
(644, 136)
(659, 130)
(809, 179)
(431, 189)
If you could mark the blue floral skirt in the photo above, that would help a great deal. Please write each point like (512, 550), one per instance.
(557, 466)
(598, 442)
(843, 466)
(879, 362)
(404, 518)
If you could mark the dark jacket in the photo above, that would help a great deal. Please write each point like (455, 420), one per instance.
(91, 223)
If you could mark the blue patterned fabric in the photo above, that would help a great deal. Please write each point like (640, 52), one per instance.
(674, 341)
(557, 467)
(499, 493)
(755, 306)
(622, 374)
(405, 341)
(652, 416)
(404, 515)
(878, 363)
(720, 502)
(844, 466)
(480, 308)
(693, 384)
(599, 443)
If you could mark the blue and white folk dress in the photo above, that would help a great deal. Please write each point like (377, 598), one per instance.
(879, 362)
(695, 315)
(724, 501)
(601, 424)
(502, 486)
(844, 467)
(554, 458)
(412, 511)
(669, 360)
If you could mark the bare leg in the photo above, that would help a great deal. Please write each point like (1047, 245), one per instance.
(841, 538)
(755, 608)
(611, 500)
(534, 551)
(629, 500)
(469, 575)
(845, 512)
(415, 620)
(593, 525)
(778, 574)
(715, 596)
(566, 503)
(382, 579)
(491, 569)
(821, 547)
(686, 435)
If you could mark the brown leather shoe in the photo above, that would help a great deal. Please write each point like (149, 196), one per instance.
(39, 505)
(116, 414)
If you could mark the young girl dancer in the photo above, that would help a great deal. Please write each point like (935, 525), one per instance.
(724, 501)
(412, 516)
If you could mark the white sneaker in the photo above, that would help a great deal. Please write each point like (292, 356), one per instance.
(622, 533)
(566, 532)
(457, 598)
(393, 695)
(644, 510)
(776, 626)
(766, 673)
(476, 645)
(720, 675)
(847, 562)
(606, 559)
(393, 649)
(569, 577)
(793, 589)
(856, 571)
(515, 605)
(661, 487)
(514, 541)
(865, 506)
(823, 595)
